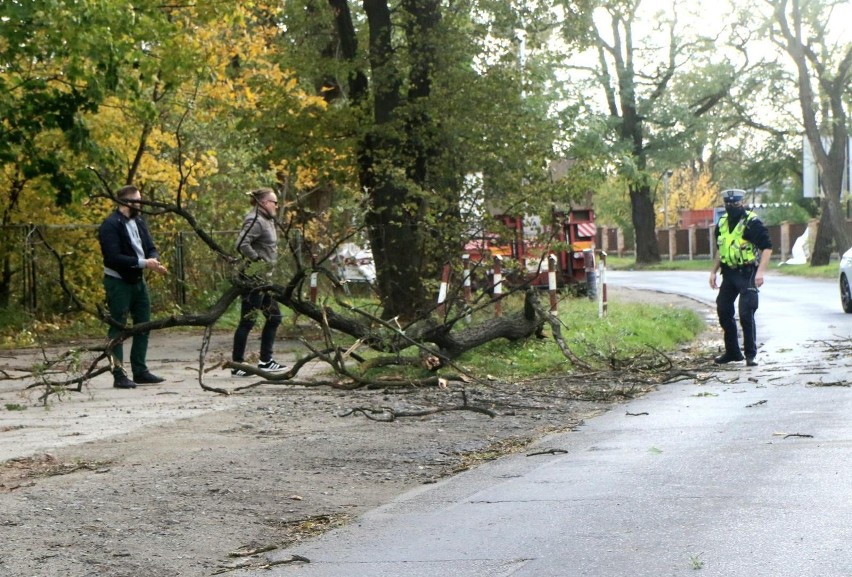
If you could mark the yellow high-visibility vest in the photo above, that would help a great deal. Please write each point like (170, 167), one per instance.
(734, 250)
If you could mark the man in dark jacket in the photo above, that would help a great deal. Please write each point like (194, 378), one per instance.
(128, 250)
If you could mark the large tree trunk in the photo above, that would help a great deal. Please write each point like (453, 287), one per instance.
(641, 204)
(5, 279)
(832, 233)
(450, 340)
(821, 253)
(425, 150)
(393, 219)
(647, 248)
(401, 142)
(345, 31)
(8, 272)
(800, 35)
(633, 132)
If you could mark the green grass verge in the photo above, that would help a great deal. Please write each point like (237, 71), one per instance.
(629, 263)
(628, 329)
(830, 270)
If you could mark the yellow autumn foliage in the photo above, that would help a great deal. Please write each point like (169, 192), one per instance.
(219, 66)
(687, 190)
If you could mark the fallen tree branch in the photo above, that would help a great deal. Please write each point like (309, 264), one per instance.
(556, 331)
(268, 565)
(389, 414)
(547, 452)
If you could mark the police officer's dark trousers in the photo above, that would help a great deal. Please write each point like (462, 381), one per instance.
(738, 283)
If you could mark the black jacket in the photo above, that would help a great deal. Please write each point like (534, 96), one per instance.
(117, 249)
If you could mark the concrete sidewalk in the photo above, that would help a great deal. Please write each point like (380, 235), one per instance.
(100, 411)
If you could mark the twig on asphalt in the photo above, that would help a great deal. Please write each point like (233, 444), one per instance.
(547, 452)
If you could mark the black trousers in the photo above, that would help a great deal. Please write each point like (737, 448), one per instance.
(252, 303)
(738, 283)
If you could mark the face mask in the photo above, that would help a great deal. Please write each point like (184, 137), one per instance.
(134, 212)
(734, 211)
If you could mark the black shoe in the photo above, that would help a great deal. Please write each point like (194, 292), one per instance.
(750, 362)
(148, 378)
(122, 382)
(727, 358)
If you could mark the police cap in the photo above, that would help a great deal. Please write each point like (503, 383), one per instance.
(733, 195)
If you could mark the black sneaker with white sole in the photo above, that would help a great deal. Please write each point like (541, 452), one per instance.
(271, 366)
(239, 373)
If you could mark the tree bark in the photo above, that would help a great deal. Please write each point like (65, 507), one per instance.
(395, 216)
(821, 253)
(632, 132)
(8, 272)
(644, 223)
(450, 342)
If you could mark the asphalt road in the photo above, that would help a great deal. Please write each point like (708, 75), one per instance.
(749, 474)
(795, 315)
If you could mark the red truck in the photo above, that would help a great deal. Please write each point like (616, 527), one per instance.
(524, 244)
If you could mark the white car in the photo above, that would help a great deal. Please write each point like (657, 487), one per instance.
(846, 281)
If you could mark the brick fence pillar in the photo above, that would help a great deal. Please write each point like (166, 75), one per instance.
(605, 239)
(711, 231)
(672, 243)
(691, 233)
(785, 241)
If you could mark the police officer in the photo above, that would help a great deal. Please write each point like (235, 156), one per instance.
(743, 253)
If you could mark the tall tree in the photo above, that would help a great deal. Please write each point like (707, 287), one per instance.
(660, 81)
(424, 82)
(802, 31)
(152, 94)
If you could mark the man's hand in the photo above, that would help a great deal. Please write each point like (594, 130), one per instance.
(156, 266)
(713, 284)
(765, 255)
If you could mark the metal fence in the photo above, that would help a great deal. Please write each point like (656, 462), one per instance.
(697, 242)
(37, 259)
